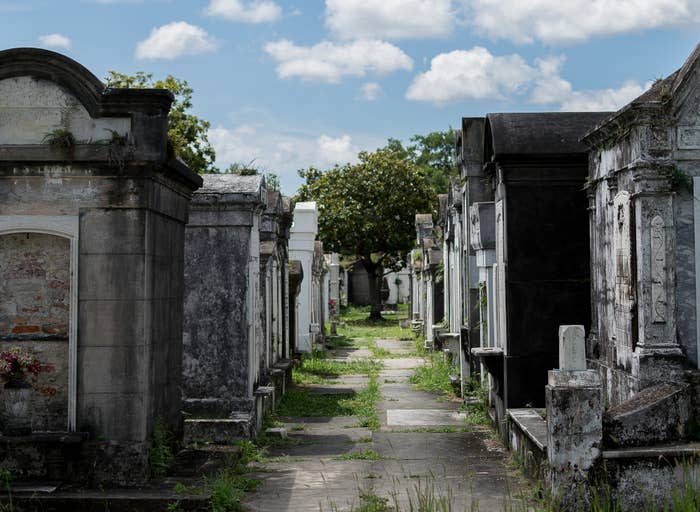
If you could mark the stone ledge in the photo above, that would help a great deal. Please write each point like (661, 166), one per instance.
(654, 452)
(531, 424)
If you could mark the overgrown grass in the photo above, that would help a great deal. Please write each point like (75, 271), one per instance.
(318, 369)
(434, 376)
(301, 402)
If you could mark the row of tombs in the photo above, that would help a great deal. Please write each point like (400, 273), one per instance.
(143, 289)
(563, 272)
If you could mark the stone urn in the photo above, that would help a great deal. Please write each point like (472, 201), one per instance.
(17, 408)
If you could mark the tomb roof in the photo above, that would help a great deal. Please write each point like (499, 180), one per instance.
(540, 133)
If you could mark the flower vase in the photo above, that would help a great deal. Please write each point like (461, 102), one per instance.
(17, 408)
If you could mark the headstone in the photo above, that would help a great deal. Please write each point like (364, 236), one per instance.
(572, 347)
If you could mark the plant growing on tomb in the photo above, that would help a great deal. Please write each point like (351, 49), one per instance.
(60, 138)
(160, 455)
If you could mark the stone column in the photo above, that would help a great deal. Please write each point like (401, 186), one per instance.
(574, 420)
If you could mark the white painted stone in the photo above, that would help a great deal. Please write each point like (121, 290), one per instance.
(31, 108)
(572, 347)
(301, 247)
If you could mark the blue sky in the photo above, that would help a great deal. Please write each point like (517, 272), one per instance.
(288, 84)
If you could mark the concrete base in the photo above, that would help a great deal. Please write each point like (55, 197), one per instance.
(219, 430)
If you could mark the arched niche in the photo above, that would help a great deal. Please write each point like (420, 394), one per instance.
(41, 252)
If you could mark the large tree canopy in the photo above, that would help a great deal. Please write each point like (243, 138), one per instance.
(368, 210)
(187, 133)
(433, 153)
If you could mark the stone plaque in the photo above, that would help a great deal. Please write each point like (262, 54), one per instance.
(688, 137)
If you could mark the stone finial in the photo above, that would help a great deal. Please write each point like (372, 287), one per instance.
(572, 347)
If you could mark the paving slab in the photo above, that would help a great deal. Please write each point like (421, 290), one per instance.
(424, 418)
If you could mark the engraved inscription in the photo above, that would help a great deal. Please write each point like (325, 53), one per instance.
(658, 270)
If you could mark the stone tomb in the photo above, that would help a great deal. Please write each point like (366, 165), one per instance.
(92, 216)
(302, 248)
(224, 343)
(537, 168)
(274, 282)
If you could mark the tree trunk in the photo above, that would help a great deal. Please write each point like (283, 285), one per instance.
(375, 275)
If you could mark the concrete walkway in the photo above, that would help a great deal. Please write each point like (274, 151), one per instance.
(424, 450)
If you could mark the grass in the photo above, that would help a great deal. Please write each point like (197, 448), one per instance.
(318, 369)
(161, 454)
(366, 454)
(434, 376)
(299, 401)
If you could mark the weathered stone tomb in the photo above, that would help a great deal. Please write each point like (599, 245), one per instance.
(92, 216)
(224, 342)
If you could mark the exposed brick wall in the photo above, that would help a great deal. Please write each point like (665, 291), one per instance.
(34, 314)
(34, 286)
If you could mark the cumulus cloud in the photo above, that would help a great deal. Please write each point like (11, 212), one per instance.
(55, 41)
(175, 40)
(329, 62)
(470, 74)
(389, 19)
(476, 74)
(258, 11)
(370, 91)
(283, 152)
(557, 21)
(551, 88)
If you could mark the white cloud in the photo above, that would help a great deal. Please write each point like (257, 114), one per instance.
(389, 19)
(470, 74)
(174, 40)
(258, 11)
(552, 88)
(55, 41)
(284, 152)
(370, 91)
(476, 74)
(329, 62)
(339, 150)
(557, 21)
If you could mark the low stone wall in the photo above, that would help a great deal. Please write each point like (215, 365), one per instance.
(527, 439)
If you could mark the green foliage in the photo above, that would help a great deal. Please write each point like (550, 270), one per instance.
(187, 133)
(60, 138)
(161, 454)
(434, 375)
(433, 154)
(368, 209)
(227, 490)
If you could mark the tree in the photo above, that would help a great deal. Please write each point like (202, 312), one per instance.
(433, 153)
(367, 210)
(187, 133)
